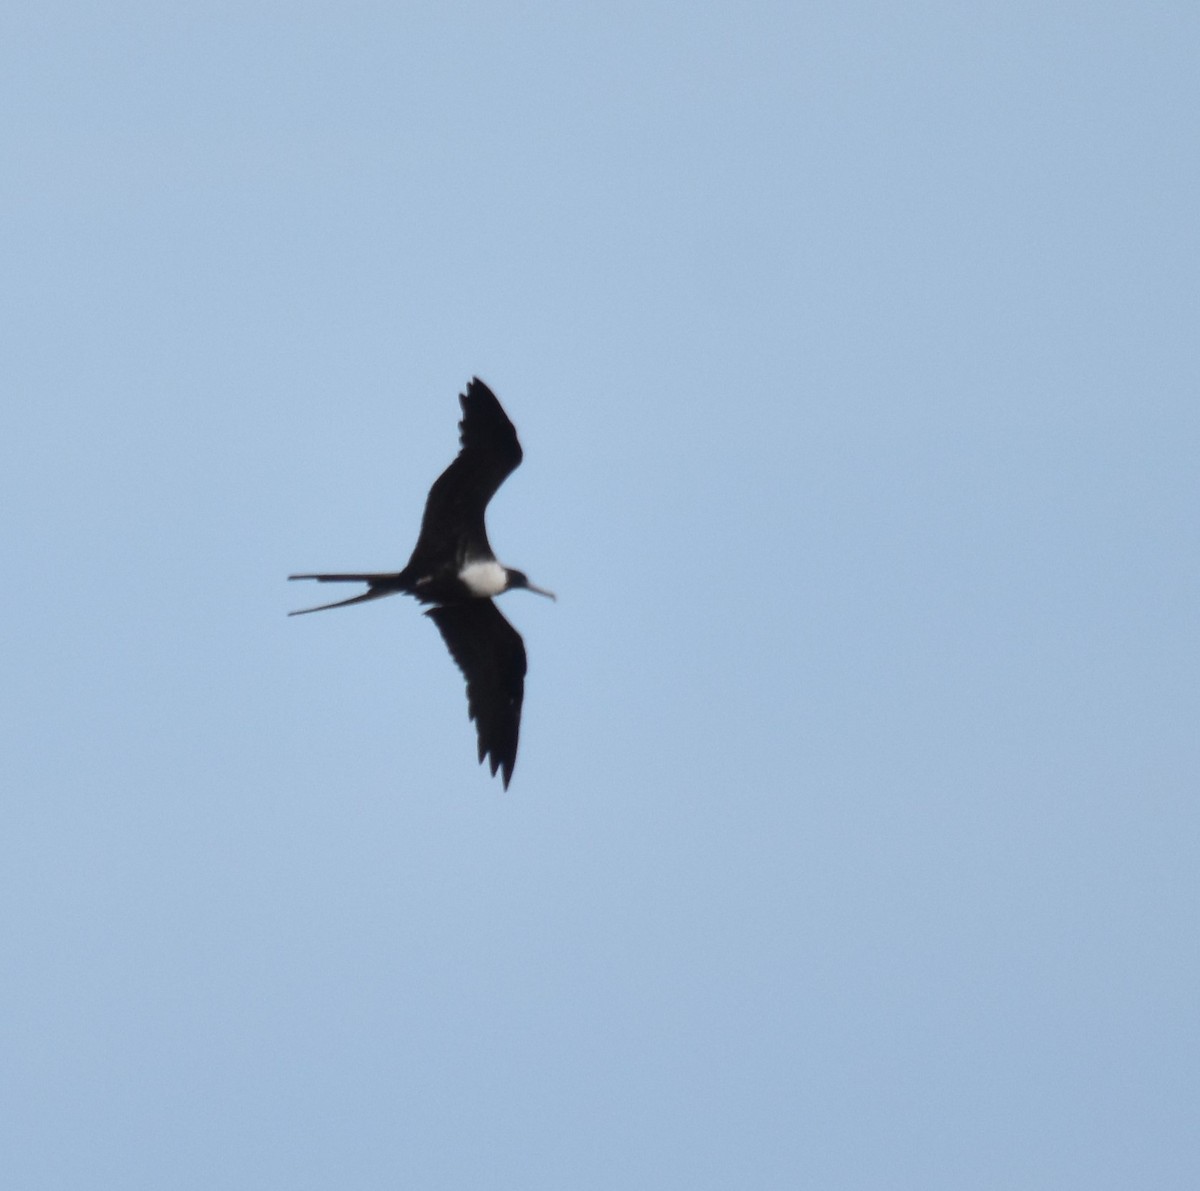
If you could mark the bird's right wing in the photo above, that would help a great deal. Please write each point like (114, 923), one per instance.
(454, 511)
(491, 655)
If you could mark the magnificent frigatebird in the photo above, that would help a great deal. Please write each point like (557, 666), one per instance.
(453, 568)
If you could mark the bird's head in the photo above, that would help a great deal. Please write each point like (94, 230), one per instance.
(520, 579)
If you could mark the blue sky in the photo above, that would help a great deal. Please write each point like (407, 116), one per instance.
(852, 839)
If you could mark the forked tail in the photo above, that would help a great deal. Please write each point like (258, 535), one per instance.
(378, 585)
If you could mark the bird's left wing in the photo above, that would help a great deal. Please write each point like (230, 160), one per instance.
(454, 510)
(491, 655)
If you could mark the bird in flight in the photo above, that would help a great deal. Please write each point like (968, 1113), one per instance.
(453, 568)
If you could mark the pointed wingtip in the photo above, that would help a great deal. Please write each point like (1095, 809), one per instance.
(503, 767)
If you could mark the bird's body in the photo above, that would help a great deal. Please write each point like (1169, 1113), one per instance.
(453, 568)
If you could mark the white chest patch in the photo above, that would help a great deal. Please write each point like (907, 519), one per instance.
(484, 578)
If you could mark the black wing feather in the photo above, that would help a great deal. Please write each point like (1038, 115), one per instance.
(453, 525)
(491, 655)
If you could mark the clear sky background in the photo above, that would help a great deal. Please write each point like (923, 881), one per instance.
(853, 838)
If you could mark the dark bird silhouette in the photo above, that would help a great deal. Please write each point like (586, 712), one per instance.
(453, 568)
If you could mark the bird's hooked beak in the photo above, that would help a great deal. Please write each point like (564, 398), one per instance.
(515, 579)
